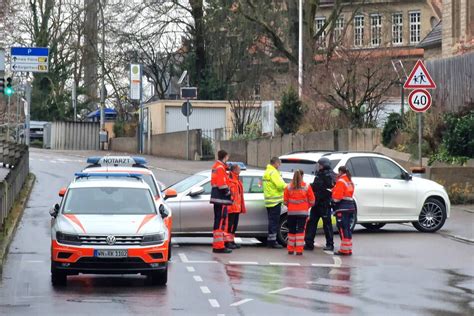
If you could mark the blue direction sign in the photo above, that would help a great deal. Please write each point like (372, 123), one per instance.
(29, 59)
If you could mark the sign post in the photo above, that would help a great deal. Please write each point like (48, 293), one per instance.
(136, 94)
(419, 99)
(187, 109)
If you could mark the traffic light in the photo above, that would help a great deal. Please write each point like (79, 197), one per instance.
(2, 85)
(8, 91)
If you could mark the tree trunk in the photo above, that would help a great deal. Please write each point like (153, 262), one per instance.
(90, 51)
(198, 40)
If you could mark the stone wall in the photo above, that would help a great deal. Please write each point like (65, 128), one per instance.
(258, 152)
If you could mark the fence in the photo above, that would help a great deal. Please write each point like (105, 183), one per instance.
(210, 137)
(454, 79)
(13, 178)
(72, 136)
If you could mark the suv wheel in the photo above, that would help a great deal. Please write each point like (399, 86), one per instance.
(373, 226)
(282, 234)
(58, 278)
(432, 216)
(158, 277)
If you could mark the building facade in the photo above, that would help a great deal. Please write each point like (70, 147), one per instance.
(458, 27)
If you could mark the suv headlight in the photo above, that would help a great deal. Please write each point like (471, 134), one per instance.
(154, 239)
(67, 238)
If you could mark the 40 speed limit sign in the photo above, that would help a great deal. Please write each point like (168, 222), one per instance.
(419, 100)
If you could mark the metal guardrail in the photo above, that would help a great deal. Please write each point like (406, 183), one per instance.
(15, 159)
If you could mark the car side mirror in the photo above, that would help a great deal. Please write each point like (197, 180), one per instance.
(170, 193)
(54, 211)
(163, 211)
(62, 192)
(196, 191)
(406, 176)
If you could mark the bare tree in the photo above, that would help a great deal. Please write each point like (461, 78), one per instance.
(356, 83)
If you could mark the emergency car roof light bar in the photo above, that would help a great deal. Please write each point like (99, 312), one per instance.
(107, 175)
(239, 163)
(116, 161)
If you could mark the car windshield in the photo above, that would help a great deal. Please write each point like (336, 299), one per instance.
(187, 183)
(308, 166)
(108, 201)
(149, 180)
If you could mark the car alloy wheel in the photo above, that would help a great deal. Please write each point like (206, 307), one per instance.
(432, 216)
(282, 234)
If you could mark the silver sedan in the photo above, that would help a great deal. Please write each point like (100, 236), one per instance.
(193, 214)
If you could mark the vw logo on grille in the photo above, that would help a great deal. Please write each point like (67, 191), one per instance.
(111, 240)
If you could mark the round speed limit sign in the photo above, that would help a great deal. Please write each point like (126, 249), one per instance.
(419, 100)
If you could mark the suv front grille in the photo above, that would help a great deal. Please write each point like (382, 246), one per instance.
(102, 240)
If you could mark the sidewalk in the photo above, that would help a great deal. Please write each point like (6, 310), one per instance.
(460, 225)
(166, 164)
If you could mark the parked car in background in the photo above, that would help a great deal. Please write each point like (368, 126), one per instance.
(384, 191)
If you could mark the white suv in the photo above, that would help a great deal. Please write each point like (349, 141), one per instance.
(384, 191)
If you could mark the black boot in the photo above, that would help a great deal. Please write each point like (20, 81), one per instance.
(237, 246)
(230, 245)
(328, 248)
(308, 247)
(223, 250)
(274, 245)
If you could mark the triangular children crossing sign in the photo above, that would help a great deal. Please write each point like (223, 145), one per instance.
(419, 78)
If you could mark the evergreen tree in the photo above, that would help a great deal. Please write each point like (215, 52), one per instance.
(290, 113)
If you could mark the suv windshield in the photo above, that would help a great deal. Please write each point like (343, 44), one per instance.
(308, 166)
(109, 201)
(187, 183)
(149, 180)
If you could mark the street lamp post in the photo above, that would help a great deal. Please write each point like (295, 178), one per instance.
(300, 50)
(102, 88)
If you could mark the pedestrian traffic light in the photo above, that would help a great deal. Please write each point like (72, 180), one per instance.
(2, 85)
(8, 90)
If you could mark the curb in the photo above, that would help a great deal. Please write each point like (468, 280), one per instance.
(20, 205)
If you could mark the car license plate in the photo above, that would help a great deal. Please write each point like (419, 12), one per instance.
(105, 253)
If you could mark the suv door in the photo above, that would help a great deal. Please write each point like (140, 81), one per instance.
(368, 188)
(400, 195)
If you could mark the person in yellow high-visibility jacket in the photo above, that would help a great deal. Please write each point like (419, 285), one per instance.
(273, 188)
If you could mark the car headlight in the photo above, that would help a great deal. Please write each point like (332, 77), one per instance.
(67, 238)
(154, 239)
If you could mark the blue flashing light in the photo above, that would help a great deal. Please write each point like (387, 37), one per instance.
(239, 163)
(140, 160)
(93, 160)
(107, 175)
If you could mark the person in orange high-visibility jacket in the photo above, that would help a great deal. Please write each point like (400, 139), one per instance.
(299, 198)
(237, 207)
(221, 198)
(345, 208)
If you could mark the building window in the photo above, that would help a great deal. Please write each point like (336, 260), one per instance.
(339, 29)
(397, 29)
(359, 30)
(320, 25)
(376, 29)
(415, 27)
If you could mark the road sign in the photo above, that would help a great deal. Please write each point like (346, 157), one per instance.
(135, 82)
(29, 59)
(419, 100)
(187, 111)
(419, 78)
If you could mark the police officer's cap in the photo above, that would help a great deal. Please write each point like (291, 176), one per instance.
(324, 162)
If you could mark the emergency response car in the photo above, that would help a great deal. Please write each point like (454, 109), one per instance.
(109, 224)
(137, 165)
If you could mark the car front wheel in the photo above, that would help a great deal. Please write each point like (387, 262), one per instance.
(282, 234)
(58, 278)
(158, 277)
(432, 216)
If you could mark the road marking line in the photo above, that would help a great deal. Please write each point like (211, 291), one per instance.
(281, 290)
(197, 278)
(242, 302)
(337, 261)
(293, 264)
(243, 262)
(205, 290)
(35, 261)
(190, 269)
(183, 257)
(214, 303)
(201, 261)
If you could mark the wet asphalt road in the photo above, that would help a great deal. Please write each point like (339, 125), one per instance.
(396, 271)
